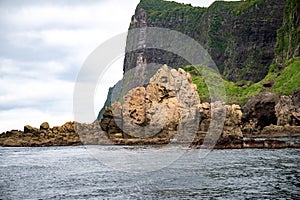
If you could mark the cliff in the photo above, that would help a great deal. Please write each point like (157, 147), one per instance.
(288, 37)
(239, 36)
(250, 41)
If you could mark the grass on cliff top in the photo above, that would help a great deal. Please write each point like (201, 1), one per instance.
(285, 81)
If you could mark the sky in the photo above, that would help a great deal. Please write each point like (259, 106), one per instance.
(43, 46)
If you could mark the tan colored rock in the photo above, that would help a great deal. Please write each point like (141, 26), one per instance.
(287, 111)
(69, 126)
(44, 126)
(228, 126)
(166, 107)
(30, 129)
(233, 121)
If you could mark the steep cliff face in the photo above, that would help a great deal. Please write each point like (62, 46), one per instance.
(288, 39)
(239, 36)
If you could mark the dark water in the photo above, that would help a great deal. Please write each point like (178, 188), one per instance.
(75, 173)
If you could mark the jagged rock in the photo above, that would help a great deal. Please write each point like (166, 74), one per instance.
(30, 129)
(232, 121)
(287, 112)
(168, 104)
(69, 126)
(259, 112)
(44, 126)
(70, 133)
(169, 107)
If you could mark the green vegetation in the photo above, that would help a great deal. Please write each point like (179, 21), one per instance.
(223, 30)
(191, 21)
(245, 5)
(288, 36)
(285, 82)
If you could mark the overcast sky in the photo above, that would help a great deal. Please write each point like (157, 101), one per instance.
(43, 46)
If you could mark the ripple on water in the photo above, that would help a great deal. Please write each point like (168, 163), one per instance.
(73, 173)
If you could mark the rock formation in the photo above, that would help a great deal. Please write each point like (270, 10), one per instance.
(168, 104)
(287, 110)
(259, 112)
(70, 133)
(169, 108)
(269, 115)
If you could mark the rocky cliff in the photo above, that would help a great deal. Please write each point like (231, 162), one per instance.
(239, 36)
(288, 37)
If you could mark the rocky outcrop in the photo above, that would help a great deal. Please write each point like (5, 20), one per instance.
(167, 105)
(68, 134)
(258, 113)
(268, 115)
(44, 126)
(288, 110)
(232, 122)
(169, 108)
(231, 133)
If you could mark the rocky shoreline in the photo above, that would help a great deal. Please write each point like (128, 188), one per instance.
(168, 110)
(92, 134)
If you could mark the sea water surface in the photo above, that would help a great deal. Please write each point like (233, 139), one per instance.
(76, 173)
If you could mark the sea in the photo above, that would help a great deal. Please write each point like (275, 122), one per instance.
(152, 172)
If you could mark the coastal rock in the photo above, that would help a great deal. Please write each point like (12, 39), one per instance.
(44, 126)
(233, 122)
(167, 104)
(275, 131)
(259, 112)
(230, 132)
(288, 110)
(30, 129)
(70, 133)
